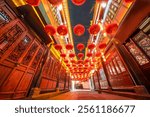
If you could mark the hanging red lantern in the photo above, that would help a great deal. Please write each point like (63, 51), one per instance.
(80, 61)
(69, 46)
(98, 54)
(89, 54)
(80, 46)
(68, 65)
(50, 30)
(128, 1)
(79, 30)
(66, 61)
(86, 60)
(62, 30)
(33, 2)
(80, 55)
(91, 46)
(73, 61)
(63, 55)
(78, 2)
(102, 45)
(58, 47)
(111, 28)
(99, 1)
(94, 29)
(55, 2)
(94, 60)
(71, 55)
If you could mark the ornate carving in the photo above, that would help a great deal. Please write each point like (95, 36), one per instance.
(30, 54)
(37, 59)
(20, 48)
(8, 38)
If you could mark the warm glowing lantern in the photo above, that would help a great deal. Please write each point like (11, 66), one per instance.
(55, 2)
(68, 65)
(86, 60)
(102, 45)
(63, 55)
(80, 61)
(111, 28)
(98, 54)
(66, 61)
(89, 54)
(80, 46)
(50, 30)
(94, 29)
(58, 47)
(128, 1)
(91, 46)
(33, 2)
(71, 55)
(69, 46)
(73, 61)
(79, 30)
(78, 2)
(62, 30)
(80, 55)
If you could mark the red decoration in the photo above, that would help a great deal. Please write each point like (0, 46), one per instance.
(50, 30)
(89, 54)
(73, 61)
(55, 2)
(69, 46)
(86, 60)
(66, 61)
(62, 30)
(80, 61)
(79, 30)
(80, 46)
(71, 55)
(98, 54)
(58, 47)
(111, 28)
(80, 55)
(102, 45)
(63, 55)
(128, 1)
(99, 1)
(68, 65)
(33, 2)
(94, 29)
(78, 2)
(91, 46)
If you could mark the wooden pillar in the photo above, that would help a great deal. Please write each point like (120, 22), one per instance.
(106, 74)
(98, 77)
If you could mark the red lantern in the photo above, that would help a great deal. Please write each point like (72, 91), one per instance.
(71, 55)
(86, 60)
(89, 54)
(73, 61)
(50, 30)
(102, 45)
(33, 2)
(79, 30)
(78, 2)
(80, 46)
(94, 29)
(58, 47)
(111, 28)
(66, 61)
(80, 55)
(63, 55)
(62, 30)
(69, 46)
(91, 46)
(99, 1)
(80, 61)
(68, 65)
(98, 54)
(55, 2)
(128, 1)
